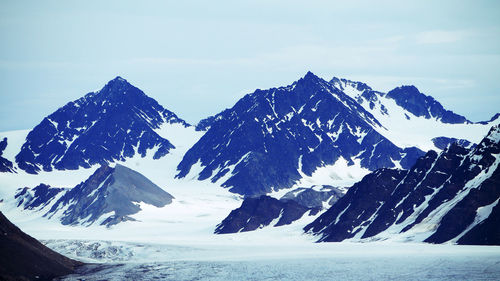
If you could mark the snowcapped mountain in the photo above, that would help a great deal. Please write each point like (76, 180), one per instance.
(451, 196)
(272, 138)
(112, 124)
(107, 197)
(410, 118)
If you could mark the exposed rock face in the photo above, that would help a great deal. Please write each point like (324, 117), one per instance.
(485, 233)
(24, 258)
(112, 124)
(444, 142)
(410, 98)
(108, 197)
(268, 138)
(262, 211)
(5, 164)
(314, 197)
(452, 196)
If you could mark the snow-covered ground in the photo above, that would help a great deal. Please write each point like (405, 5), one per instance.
(275, 260)
(176, 242)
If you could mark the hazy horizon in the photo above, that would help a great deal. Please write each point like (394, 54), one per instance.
(199, 58)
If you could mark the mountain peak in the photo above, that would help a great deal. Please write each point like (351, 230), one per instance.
(405, 89)
(118, 84)
(310, 76)
(118, 79)
(309, 80)
(108, 190)
(419, 104)
(111, 124)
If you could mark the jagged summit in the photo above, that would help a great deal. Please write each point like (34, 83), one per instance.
(269, 139)
(343, 83)
(406, 90)
(310, 80)
(411, 99)
(310, 76)
(111, 124)
(118, 79)
(117, 82)
(116, 91)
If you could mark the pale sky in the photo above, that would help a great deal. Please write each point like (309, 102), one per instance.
(198, 57)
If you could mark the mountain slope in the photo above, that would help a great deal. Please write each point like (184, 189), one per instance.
(107, 197)
(271, 138)
(112, 124)
(411, 118)
(258, 212)
(441, 198)
(24, 258)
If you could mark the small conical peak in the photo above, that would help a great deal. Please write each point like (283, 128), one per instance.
(404, 90)
(494, 133)
(116, 86)
(309, 78)
(309, 75)
(408, 88)
(118, 80)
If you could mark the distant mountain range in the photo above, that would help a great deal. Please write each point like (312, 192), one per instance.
(406, 165)
(270, 139)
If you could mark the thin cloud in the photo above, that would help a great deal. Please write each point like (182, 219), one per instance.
(439, 37)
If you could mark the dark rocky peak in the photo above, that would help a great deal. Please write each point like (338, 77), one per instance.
(3, 145)
(405, 92)
(342, 83)
(112, 124)
(310, 83)
(484, 153)
(5, 164)
(266, 135)
(315, 196)
(38, 197)
(116, 85)
(360, 92)
(310, 78)
(262, 211)
(443, 142)
(120, 91)
(419, 104)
